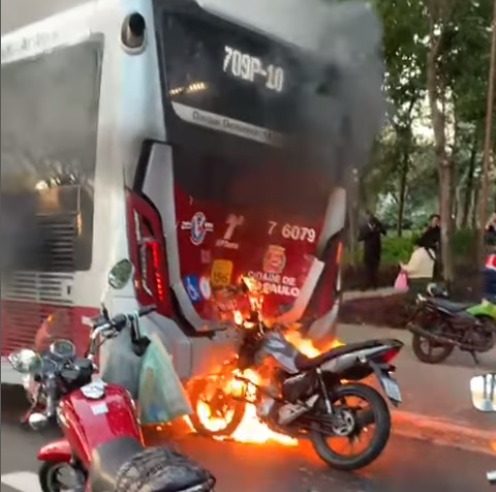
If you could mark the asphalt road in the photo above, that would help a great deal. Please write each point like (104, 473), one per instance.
(406, 465)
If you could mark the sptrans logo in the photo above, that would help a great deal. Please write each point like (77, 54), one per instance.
(199, 227)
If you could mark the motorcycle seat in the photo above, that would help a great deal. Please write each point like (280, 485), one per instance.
(160, 469)
(304, 363)
(449, 306)
(107, 460)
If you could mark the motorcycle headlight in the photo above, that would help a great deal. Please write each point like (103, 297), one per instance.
(25, 361)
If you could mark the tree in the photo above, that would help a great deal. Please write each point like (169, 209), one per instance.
(488, 151)
(439, 17)
(467, 62)
(404, 81)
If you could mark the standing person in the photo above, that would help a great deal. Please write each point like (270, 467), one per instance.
(490, 230)
(370, 234)
(431, 241)
(419, 269)
(490, 266)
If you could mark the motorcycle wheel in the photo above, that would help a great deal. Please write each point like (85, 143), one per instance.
(50, 480)
(429, 351)
(381, 419)
(232, 411)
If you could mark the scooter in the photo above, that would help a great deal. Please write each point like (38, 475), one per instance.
(483, 389)
(439, 325)
(103, 448)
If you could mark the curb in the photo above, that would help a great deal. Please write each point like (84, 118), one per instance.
(444, 432)
(356, 295)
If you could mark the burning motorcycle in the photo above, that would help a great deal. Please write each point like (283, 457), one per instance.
(483, 389)
(103, 447)
(317, 398)
(439, 325)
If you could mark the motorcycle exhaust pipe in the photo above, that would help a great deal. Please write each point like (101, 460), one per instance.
(436, 338)
(444, 340)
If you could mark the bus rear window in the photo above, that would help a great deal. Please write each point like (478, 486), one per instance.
(48, 149)
(228, 71)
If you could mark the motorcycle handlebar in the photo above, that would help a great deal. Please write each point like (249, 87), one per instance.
(118, 322)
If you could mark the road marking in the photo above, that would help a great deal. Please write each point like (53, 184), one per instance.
(22, 481)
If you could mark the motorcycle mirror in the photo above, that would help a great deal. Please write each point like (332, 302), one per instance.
(483, 389)
(37, 421)
(120, 274)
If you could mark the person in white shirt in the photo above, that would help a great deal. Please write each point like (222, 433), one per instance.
(420, 269)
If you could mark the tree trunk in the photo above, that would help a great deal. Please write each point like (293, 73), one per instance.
(470, 183)
(488, 150)
(436, 93)
(475, 207)
(403, 179)
(353, 216)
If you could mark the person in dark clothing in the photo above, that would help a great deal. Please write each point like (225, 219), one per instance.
(431, 238)
(490, 231)
(370, 234)
(431, 241)
(490, 264)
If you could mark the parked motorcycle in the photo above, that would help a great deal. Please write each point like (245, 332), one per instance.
(483, 389)
(102, 449)
(318, 398)
(439, 325)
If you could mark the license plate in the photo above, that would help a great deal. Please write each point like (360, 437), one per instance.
(392, 388)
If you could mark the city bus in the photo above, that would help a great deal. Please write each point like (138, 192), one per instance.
(181, 138)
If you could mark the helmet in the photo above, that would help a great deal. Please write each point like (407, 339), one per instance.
(436, 290)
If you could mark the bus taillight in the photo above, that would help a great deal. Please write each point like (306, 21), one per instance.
(147, 251)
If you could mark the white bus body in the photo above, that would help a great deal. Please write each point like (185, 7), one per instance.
(128, 95)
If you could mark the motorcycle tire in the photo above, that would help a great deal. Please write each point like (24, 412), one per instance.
(47, 476)
(195, 393)
(432, 358)
(382, 420)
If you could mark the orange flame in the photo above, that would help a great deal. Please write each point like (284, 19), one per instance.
(306, 346)
(252, 429)
(238, 318)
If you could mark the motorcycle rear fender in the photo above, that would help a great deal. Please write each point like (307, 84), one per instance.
(386, 369)
(56, 451)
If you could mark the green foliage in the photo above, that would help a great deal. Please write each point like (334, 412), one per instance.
(394, 250)
(397, 249)
(463, 27)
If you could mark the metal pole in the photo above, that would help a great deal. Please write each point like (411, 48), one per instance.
(484, 198)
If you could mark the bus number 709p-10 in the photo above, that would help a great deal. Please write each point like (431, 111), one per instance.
(247, 67)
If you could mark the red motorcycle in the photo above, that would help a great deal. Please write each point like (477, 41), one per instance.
(102, 449)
